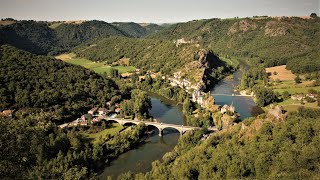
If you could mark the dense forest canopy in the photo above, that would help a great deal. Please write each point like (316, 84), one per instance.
(30, 81)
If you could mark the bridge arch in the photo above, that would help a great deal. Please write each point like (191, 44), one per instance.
(174, 129)
(155, 127)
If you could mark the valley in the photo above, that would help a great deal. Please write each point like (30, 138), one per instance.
(234, 98)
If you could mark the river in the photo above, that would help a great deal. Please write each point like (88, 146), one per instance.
(243, 105)
(140, 159)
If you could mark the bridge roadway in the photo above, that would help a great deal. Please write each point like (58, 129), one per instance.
(241, 95)
(160, 126)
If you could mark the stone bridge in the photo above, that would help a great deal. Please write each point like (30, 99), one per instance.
(160, 126)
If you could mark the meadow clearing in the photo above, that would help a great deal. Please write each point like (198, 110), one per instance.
(98, 67)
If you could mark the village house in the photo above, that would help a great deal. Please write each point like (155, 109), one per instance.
(6, 113)
(97, 119)
(93, 110)
(102, 111)
(298, 97)
(313, 96)
(117, 110)
(197, 97)
(226, 108)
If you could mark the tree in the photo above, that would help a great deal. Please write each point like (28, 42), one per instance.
(297, 79)
(187, 108)
(141, 103)
(264, 95)
(313, 15)
(76, 174)
(114, 73)
(104, 126)
(285, 95)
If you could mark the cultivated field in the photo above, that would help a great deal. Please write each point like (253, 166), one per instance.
(97, 67)
(281, 73)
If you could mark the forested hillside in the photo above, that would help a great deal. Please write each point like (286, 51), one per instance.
(71, 35)
(258, 149)
(40, 82)
(38, 38)
(156, 55)
(136, 30)
(57, 37)
(31, 36)
(274, 41)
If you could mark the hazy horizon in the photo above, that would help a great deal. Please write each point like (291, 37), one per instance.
(151, 11)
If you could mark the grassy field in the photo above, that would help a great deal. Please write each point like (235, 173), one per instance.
(281, 73)
(291, 105)
(231, 62)
(54, 25)
(112, 130)
(96, 67)
(294, 88)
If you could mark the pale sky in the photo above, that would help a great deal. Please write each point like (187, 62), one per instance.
(156, 11)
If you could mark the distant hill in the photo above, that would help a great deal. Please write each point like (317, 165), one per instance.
(137, 30)
(274, 41)
(56, 37)
(39, 38)
(31, 36)
(153, 28)
(44, 83)
(71, 35)
(131, 29)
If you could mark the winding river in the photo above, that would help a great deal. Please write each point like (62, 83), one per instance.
(140, 159)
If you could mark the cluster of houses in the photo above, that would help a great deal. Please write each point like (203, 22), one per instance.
(94, 115)
(178, 42)
(177, 80)
(301, 97)
(6, 113)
